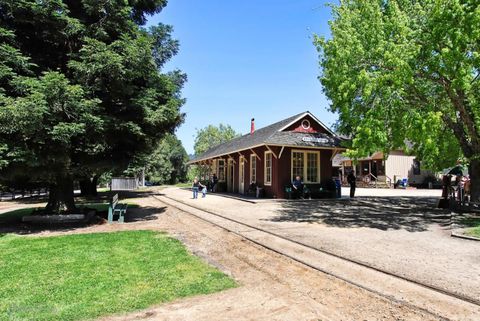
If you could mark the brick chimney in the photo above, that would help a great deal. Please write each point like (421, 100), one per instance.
(252, 126)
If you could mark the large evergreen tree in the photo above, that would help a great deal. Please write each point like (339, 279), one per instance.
(81, 90)
(401, 71)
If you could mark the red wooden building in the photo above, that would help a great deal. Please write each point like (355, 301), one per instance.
(272, 156)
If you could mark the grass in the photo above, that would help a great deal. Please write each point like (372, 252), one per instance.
(187, 184)
(473, 225)
(85, 276)
(16, 215)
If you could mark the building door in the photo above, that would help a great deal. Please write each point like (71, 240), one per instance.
(241, 175)
(230, 176)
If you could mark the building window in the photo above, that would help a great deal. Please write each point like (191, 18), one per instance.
(312, 167)
(298, 163)
(253, 168)
(221, 170)
(242, 170)
(305, 124)
(306, 165)
(268, 168)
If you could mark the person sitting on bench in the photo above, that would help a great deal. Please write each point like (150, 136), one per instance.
(297, 187)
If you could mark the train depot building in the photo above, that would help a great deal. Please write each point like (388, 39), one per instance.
(271, 157)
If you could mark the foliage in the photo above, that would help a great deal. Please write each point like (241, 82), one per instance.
(86, 276)
(81, 91)
(402, 71)
(166, 165)
(213, 135)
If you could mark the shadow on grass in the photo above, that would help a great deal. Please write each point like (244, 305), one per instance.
(413, 214)
(13, 222)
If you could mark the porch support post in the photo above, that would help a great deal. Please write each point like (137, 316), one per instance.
(281, 152)
(273, 153)
(244, 158)
(334, 153)
(255, 153)
(233, 159)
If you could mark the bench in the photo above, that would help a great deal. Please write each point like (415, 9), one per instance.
(289, 191)
(116, 208)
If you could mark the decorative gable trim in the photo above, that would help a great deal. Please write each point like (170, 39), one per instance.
(314, 118)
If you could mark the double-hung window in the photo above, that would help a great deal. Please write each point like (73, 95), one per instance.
(253, 168)
(221, 170)
(306, 164)
(268, 168)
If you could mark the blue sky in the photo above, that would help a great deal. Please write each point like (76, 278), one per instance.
(247, 59)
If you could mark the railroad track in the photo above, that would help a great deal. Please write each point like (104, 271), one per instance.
(174, 203)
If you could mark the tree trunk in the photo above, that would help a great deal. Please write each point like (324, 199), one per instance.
(474, 172)
(88, 186)
(61, 198)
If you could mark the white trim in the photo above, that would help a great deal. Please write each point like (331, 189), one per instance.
(305, 165)
(218, 170)
(310, 147)
(224, 154)
(241, 178)
(271, 151)
(265, 169)
(281, 152)
(314, 118)
(253, 160)
(308, 124)
(255, 153)
(232, 162)
(241, 155)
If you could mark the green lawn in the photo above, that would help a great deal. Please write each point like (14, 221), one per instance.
(79, 277)
(473, 225)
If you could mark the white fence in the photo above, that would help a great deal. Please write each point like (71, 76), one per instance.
(124, 183)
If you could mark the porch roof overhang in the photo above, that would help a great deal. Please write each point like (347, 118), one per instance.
(306, 145)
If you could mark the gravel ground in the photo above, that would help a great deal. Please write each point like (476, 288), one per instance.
(403, 234)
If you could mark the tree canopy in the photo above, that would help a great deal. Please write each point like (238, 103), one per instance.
(213, 135)
(167, 164)
(81, 89)
(406, 74)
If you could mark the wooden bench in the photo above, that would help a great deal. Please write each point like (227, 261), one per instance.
(116, 208)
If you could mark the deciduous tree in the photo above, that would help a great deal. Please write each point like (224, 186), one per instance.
(211, 136)
(403, 71)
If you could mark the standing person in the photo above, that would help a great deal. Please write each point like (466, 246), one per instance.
(214, 182)
(352, 180)
(297, 185)
(196, 186)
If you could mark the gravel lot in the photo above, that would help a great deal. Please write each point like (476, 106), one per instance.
(395, 231)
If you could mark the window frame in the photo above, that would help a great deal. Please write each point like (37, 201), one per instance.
(221, 178)
(305, 165)
(265, 181)
(253, 160)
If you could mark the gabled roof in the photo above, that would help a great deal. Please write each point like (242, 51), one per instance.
(273, 135)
